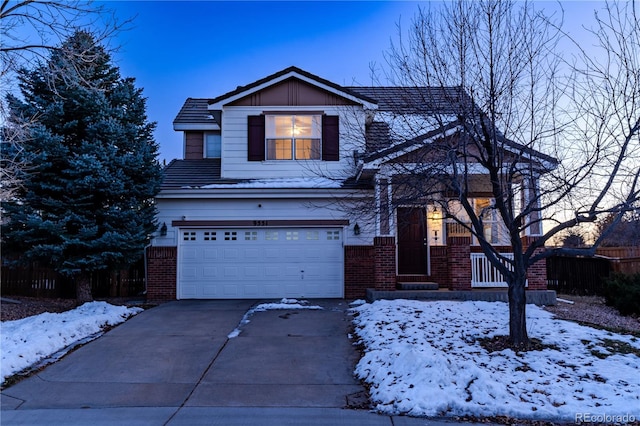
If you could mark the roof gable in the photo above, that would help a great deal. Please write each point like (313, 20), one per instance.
(292, 92)
(272, 87)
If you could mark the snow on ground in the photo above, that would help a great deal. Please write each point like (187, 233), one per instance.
(283, 304)
(423, 359)
(32, 339)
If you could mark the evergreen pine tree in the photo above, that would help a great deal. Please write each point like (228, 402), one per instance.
(86, 202)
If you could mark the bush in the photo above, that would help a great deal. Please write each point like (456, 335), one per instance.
(623, 293)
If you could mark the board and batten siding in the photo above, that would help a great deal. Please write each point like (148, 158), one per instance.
(193, 145)
(235, 164)
(255, 209)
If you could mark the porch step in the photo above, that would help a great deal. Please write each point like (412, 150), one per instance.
(417, 286)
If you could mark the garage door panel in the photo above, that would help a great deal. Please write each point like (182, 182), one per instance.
(231, 254)
(210, 272)
(262, 263)
(252, 272)
(209, 291)
(189, 272)
(252, 255)
(210, 254)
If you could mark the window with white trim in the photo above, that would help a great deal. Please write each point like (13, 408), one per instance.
(212, 145)
(293, 137)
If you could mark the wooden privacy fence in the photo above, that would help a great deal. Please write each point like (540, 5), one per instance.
(577, 275)
(38, 281)
(619, 252)
(588, 275)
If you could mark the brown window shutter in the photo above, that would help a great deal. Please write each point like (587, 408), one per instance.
(330, 138)
(256, 142)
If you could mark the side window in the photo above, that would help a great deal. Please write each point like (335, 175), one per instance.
(212, 145)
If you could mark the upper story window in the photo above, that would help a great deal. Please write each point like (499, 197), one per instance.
(212, 145)
(293, 137)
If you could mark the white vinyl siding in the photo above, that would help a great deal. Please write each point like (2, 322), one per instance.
(245, 208)
(234, 146)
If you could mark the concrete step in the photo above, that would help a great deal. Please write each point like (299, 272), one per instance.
(417, 286)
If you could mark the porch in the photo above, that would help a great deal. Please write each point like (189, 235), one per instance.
(457, 271)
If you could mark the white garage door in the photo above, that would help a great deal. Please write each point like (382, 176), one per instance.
(260, 263)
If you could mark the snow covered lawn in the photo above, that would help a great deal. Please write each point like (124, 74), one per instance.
(424, 359)
(30, 340)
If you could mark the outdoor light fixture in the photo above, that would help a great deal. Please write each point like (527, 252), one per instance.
(163, 230)
(356, 229)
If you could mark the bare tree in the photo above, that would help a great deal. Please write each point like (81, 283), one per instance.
(553, 141)
(29, 31)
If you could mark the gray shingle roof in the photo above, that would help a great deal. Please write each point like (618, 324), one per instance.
(195, 110)
(191, 173)
(399, 100)
(184, 174)
(416, 100)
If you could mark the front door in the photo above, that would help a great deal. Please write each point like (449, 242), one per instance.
(412, 241)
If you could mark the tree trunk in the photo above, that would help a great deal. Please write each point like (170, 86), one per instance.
(518, 337)
(83, 288)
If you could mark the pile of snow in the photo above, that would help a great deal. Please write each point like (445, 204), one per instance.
(30, 340)
(283, 304)
(302, 182)
(423, 359)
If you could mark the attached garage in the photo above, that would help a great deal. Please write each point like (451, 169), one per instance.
(257, 263)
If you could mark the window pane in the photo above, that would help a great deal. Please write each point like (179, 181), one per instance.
(308, 149)
(307, 126)
(279, 126)
(213, 147)
(279, 149)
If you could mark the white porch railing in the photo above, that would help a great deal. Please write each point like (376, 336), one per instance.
(484, 274)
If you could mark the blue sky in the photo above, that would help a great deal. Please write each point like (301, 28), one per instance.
(180, 49)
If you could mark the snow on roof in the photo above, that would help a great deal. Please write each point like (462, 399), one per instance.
(300, 182)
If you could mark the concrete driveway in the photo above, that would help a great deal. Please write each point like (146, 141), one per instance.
(174, 364)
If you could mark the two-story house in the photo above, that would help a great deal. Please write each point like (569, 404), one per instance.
(284, 191)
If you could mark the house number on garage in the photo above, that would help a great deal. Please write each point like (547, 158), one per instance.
(260, 223)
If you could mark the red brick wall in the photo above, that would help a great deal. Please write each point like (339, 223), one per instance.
(358, 271)
(162, 273)
(537, 273)
(459, 254)
(439, 266)
(385, 263)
